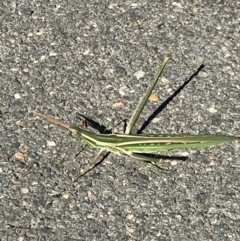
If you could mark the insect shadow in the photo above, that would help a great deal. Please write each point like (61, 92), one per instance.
(104, 130)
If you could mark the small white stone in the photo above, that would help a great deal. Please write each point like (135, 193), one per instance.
(17, 96)
(24, 190)
(177, 5)
(117, 104)
(164, 80)
(139, 74)
(108, 86)
(112, 5)
(43, 57)
(52, 54)
(183, 153)
(121, 90)
(66, 195)
(130, 216)
(86, 51)
(51, 143)
(212, 110)
(173, 163)
(134, 5)
(156, 120)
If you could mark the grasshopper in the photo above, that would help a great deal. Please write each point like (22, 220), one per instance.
(136, 145)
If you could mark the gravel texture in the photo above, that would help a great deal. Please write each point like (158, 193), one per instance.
(96, 58)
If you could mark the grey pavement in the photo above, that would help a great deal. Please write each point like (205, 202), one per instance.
(96, 58)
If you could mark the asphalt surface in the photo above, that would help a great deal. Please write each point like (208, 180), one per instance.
(96, 58)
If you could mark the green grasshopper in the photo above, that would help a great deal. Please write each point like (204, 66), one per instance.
(133, 145)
